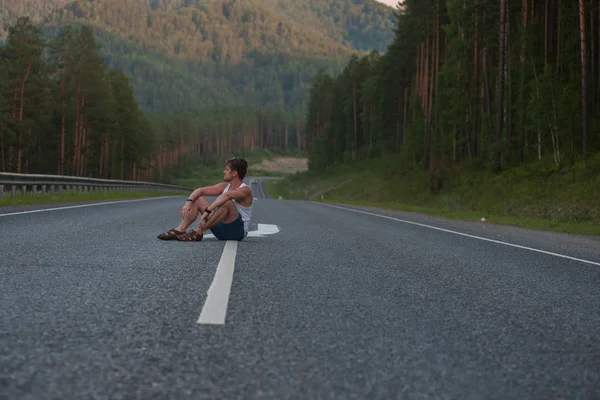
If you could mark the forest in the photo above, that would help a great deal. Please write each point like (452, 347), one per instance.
(476, 83)
(131, 89)
(64, 111)
(480, 83)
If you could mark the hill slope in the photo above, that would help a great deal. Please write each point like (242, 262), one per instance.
(190, 54)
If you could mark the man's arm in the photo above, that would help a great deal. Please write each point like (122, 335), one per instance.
(214, 190)
(238, 195)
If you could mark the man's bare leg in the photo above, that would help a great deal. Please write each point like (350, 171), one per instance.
(200, 204)
(226, 213)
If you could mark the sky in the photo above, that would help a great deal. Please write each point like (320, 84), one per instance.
(389, 2)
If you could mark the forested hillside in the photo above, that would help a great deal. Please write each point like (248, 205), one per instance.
(131, 89)
(64, 111)
(486, 84)
(193, 54)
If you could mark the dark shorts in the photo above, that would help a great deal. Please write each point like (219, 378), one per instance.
(231, 231)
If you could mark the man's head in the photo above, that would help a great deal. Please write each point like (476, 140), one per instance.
(235, 167)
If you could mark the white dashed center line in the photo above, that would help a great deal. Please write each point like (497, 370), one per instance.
(215, 306)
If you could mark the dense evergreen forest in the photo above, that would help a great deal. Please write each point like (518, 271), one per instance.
(490, 84)
(130, 89)
(64, 111)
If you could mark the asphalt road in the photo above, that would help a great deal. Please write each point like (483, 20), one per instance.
(349, 303)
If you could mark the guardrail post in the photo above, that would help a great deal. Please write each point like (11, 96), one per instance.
(52, 190)
(44, 190)
(13, 192)
(24, 188)
(1, 192)
(34, 190)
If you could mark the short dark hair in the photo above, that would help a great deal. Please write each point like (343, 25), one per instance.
(239, 165)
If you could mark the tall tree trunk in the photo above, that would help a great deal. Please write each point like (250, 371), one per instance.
(10, 158)
(425, 94)
(298, 136)
(354, 118)
(473, 113)
(508, 74)
(546, 10)
(76, 130)
(21, 109)
(113, 172)
(404, 120)
(102, 156)
(584, 82)
(592, 49)
(61, 165)
(122, 177)
(83, 147)
(558, 37)
(500, 87)
(2, 164)
(435, 66)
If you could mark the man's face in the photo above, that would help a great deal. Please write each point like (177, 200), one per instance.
(228, 174)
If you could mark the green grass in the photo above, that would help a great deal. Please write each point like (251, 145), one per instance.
(66, 197)
(535, 196)
(273, 188)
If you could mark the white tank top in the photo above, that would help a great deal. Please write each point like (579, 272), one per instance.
(245, 212)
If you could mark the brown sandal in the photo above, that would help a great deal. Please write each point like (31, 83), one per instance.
(191, 236)
(171, 234)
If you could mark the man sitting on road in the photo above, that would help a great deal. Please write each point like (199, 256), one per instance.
(227, 220)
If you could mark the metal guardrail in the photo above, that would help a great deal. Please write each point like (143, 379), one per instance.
(58, 183)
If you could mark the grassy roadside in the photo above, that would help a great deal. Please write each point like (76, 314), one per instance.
(534, 196)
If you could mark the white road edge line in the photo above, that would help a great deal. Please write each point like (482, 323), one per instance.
(215, 306)
(461, 234)
(81, 205)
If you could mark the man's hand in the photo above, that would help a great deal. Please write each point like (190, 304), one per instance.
(203, 219)
(186, 210)
(206, 216)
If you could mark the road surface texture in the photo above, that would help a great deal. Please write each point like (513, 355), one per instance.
(335, 303)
